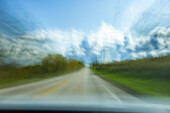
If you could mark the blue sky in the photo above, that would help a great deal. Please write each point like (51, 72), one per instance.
(85, 15)
(88, 30)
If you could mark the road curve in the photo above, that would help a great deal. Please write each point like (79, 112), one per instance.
(82, 86)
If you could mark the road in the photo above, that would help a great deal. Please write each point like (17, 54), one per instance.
(81, 86)
(81, 90)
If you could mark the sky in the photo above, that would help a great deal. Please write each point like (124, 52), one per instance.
(88, 30)
(85, 15)
(64, 14)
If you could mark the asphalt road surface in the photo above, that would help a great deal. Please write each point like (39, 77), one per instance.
(82, 86)
(81, 90)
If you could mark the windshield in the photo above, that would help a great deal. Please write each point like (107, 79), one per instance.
(91, 54)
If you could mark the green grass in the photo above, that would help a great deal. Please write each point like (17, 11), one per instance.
(150, 76)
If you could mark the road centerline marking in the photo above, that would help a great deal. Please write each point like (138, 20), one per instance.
(51, 90)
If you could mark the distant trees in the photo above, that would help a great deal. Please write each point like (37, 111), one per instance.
(52, 63)
(75, 64)
(56, 63)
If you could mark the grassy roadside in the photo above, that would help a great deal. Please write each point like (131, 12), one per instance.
(25, 80)
(150, 77)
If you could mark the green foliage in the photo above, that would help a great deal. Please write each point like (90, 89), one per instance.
(53, 63)
(57, 63)
(75, 64)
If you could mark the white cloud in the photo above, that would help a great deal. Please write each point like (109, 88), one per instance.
(106, 36)
(141, 54)
(156, 44)
(57, 40)
(33, 46)
(131, 9)
(106, 44)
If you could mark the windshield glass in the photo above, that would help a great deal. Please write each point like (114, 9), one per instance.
(107, 54)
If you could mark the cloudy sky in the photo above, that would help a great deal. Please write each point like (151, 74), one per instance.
(88, 30)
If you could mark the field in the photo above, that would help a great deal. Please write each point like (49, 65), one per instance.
(149, 76)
